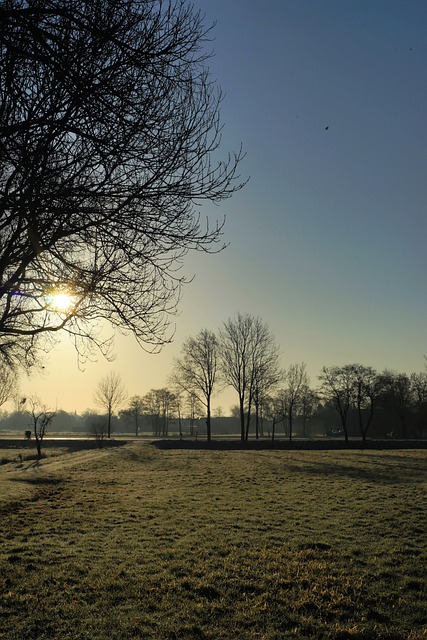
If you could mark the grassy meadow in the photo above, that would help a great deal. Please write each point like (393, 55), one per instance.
(138, 542)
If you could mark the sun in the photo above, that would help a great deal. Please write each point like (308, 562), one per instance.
(60, 302)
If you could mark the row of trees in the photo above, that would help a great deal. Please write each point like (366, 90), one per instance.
(357, 390)
(244, 355)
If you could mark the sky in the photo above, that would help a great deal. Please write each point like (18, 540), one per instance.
(327, 241)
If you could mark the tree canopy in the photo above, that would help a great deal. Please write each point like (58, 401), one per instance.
(109, 129)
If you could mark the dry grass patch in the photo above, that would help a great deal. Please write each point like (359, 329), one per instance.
(141, 543)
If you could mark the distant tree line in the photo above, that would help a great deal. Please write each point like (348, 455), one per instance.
(351, 400)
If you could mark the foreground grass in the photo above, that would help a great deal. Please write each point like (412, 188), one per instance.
(140, 543)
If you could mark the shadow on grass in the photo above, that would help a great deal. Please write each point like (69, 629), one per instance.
(295, 445)
(373, 471)
(72, 444)
(39, 481)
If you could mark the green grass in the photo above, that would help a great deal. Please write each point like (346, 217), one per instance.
(136, 542)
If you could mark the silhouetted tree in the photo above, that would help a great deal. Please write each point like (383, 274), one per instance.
(353, 386)
(275, 411)
(159, 404)
(135, 409)
(247, 350)
(367, 389)
(397, 393)
(309, 402)
(196, 370)
(151, 408)
(419, 388)
(297, 381)
(337, 388)
(98, 430)
(419, 400)
(194, 409)
(109, 130)
(110, 394)
(40, 419)
(266, 376)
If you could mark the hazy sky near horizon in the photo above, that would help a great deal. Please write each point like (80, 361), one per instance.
(327, 241)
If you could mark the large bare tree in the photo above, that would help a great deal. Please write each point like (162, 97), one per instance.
(249, 362)
(109, 129)
(196, 370)
(109, 395)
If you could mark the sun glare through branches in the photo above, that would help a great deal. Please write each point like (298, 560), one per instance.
(60, 302)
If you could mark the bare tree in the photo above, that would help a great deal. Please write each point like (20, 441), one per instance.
(8, 383)
(419, 388)
(168, 406)
(308, 404)
(354, 386)
(178, 395)
(236, 344)
(297, 380)
(98, 429)
(337, 388)
(160, 405)
(397, 392)
(275, 410)
(247, 350)
(266, 375)
(196, 370)
(367, 389)
(151, 408)
(110, 394)
(135, 410)
(110, 129)
(419, 400)
(40, 421)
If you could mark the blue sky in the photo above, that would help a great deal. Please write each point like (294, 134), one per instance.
(327, 242)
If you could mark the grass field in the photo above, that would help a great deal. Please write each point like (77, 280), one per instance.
(137, 542)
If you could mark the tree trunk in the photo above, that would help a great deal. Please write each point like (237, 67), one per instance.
(180, 424)
(242, 420)
(248, 419)
(208, 421)
(256, 421)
